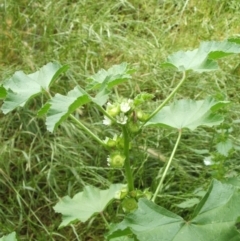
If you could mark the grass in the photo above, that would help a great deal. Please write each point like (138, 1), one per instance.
(36, 167)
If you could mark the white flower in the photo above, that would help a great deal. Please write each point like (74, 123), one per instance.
(208, 161)
(125, 106)
(121, 119)
(107, 121)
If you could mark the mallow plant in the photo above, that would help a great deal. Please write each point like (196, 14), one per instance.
(215, 215)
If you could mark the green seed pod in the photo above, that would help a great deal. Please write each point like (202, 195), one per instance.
(116, 160)
(133, 127)
(141, 115)
(129, 204)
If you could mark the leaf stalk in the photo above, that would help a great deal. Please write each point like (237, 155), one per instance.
(78, 123)
(168, 98)
(159, 188)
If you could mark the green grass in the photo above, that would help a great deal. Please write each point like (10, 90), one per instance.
(36, 167)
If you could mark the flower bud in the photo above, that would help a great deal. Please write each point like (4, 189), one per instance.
(133, 127)
(141, 116)
(113, 109)
(147, 194)
(122, 193)
(110, 142)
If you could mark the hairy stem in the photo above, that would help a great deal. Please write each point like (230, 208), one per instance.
(128, 171)
(159, 188)
(79, 123)
(168, 98)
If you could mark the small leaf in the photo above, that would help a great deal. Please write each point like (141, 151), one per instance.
(214, 219)
(142, 98)
(224, 147)
(188, 114)
(85, 204)
(9, 237)
(21, 87)
(111, 77)
(62, 106)
(203, 58)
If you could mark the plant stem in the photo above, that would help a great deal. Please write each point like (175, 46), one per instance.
(127, 166)
(167, 167)
(86, 130)
(168, 98)
(105, 113)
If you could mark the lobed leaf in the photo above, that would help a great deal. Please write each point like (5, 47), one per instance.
(21, 87)
(60, 106)
(203, 58)
(214, 219)
(113, 76)
(188, 114)
(9, 237)
(85, 204)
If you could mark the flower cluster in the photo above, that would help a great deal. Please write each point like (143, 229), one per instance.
(118, 111)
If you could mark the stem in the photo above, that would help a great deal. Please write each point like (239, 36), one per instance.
(127, 166)
(159, 188)
(104, 220)
(105, 113)
(86, 130)
(168, 98)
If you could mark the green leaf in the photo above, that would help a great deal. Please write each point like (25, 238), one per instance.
(102, 97)
(85, 204)
(224, 147)
(188, 114)
(235, 181)
(203, 58)
(21, 87)
(117, 74)
(142, 98)
(62, 106)
(3, 92)
(214, 219)
(125, 238)
(44, 109)
(235, 39)
(9, 237)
